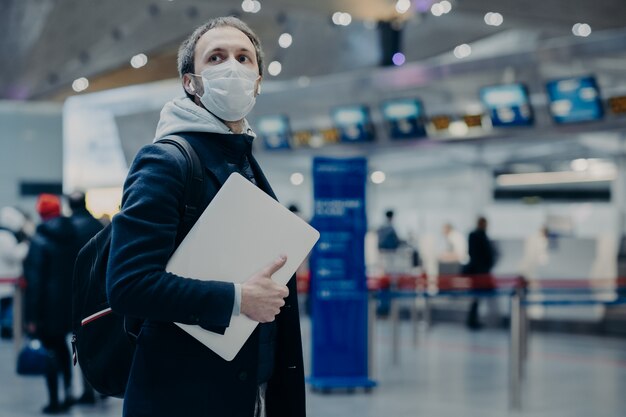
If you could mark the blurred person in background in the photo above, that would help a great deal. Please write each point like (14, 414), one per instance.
(48, 270)
(455, 250)
(13, 250)
(85, 226)
(387, 236)
(13, 242)
(388, 244)
(535, 253)
(454, 254)
(482, 258)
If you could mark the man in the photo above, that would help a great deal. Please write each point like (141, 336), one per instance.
(48, 270)
(13, 250)
(387, 236)
(221, 66)
(455, 246)
(85, 226)
(454, 254)
(482, 258)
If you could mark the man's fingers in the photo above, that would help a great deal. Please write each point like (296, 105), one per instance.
(284, 291)
(275, 266)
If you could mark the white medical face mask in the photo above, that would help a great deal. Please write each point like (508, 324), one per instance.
(229, 90)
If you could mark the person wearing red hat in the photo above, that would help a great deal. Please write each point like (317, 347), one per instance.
(48, 270)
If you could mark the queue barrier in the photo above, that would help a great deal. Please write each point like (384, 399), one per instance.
(517, 289)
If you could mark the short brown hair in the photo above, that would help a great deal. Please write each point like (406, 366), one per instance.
(186, 52)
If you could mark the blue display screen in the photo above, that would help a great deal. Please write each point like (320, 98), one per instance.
(354, 123)
(275, 132)
(575, 100)
(405, 118)
(508, 105)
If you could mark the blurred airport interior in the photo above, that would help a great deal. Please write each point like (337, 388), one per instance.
(510, 110)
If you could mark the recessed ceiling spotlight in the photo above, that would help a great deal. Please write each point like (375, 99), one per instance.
(296, 178)
(494, 19)
(274, 68)
(80, 84)
(446, 6)
(436, 9)
(378, 177)
(462, 51)
(285, 40)
(581, 29)
(398, 59)
(247, 6)
(403, 6)
(139, 60)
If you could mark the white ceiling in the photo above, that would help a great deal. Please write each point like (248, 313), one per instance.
(46, 44)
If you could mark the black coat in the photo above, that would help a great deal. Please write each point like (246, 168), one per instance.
(481, 253)
(48, 269)
(85, 225)
(172, 373)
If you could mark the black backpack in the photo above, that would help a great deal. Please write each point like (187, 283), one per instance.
(103, 341)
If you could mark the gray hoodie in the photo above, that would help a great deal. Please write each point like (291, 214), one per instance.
(183, 115)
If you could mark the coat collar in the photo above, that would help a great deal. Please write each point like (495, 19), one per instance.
(221, 153)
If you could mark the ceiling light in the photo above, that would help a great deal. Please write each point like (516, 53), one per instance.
(446, 6)
(285, 40)
(247, 6)
(274, 68)
(337, 18)
(462, 51)
(403, 6)
(398, 58)
(560, 177)
(139, 61)
(581, 29)
(436, 9)
(345, 19)
(296, 178)
(496, 19)
(256, 6)
(378, 177)
(80, 84)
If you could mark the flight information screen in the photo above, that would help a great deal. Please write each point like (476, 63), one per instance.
(508, 105)
(274, 131)
(404, 118)
(354, 123)
(575, 100)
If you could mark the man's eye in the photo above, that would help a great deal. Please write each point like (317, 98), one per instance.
(214, 58)
(243, 59)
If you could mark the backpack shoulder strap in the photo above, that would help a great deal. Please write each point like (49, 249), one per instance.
(194, 183)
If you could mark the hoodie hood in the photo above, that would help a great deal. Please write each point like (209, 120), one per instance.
(58, 229)
(12, 219)
(183, 115)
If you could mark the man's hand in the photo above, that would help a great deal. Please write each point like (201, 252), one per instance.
(262, 298)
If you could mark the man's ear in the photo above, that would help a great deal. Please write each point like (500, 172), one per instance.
(188, 84)
(258, 86)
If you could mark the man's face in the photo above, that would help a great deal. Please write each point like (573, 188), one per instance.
(219, 45)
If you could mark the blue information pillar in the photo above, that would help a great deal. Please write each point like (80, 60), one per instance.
(338, 282)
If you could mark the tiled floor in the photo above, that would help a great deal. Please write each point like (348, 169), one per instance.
(451, 373)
